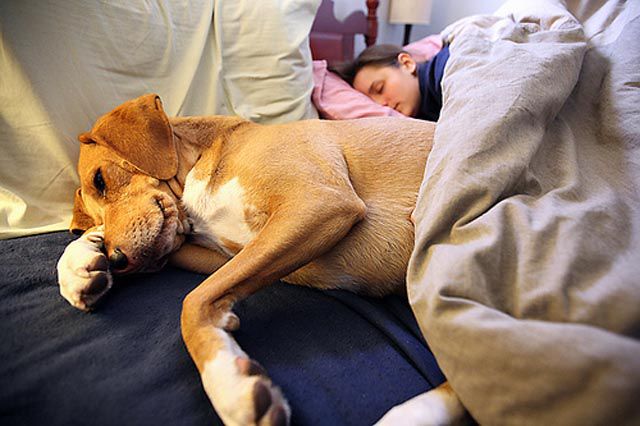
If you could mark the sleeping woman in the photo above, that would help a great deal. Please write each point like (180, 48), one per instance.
(391, 77)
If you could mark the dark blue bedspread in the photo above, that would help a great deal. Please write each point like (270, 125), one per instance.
(340, 359)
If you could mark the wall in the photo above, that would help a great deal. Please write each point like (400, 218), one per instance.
(443, 13)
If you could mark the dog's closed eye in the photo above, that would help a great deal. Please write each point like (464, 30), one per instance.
(98, 182)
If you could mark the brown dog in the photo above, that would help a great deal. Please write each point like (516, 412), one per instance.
(318, 203)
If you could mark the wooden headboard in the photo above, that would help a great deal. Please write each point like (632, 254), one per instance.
(333, 40)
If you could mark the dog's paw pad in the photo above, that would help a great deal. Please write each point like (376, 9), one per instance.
(241, 391)
(261, 399)
(96, 286)
(230, 322)
(278, 416)
(269, 406)
(249, 367)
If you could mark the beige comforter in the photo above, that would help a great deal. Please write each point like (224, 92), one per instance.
(525, 277)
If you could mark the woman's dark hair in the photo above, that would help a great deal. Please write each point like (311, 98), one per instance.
(377, 55)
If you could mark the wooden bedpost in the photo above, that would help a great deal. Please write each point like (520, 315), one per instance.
(372, 22)
(333, 40)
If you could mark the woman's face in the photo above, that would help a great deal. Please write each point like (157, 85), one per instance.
(394, 86)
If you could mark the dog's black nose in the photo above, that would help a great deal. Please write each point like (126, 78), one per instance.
(118, 260)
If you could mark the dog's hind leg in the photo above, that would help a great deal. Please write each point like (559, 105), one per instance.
(295, 234)
(438, 407)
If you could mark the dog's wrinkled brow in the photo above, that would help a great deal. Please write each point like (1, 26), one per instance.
(108, 176)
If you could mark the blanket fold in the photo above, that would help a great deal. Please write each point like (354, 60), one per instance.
(524, 277)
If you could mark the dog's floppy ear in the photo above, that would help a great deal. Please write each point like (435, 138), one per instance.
(81, 221)
(139, 132)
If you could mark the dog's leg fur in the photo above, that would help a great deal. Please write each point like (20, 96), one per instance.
(199, 259)
(238, 395)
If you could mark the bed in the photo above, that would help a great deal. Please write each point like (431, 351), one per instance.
(524, 275)
(125, 363)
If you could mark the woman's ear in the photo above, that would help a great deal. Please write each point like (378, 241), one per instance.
(407, 62)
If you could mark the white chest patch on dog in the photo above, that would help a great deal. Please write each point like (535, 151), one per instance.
(218, 216)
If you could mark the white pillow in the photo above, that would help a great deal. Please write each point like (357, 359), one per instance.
(263, 48)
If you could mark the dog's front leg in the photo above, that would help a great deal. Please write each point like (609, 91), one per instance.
(238, 387)
(199, 259)
(240, 392)
(83, 270)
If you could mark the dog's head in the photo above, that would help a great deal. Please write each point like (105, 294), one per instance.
(125, 161)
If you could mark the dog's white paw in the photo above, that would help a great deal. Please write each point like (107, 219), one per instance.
(83, 271)
(437, 407)
(241, 393)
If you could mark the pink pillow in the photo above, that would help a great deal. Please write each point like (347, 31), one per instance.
(335, 99)
(425, 49)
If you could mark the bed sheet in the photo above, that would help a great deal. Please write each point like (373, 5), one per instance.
(340, 359)
(524, 276)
